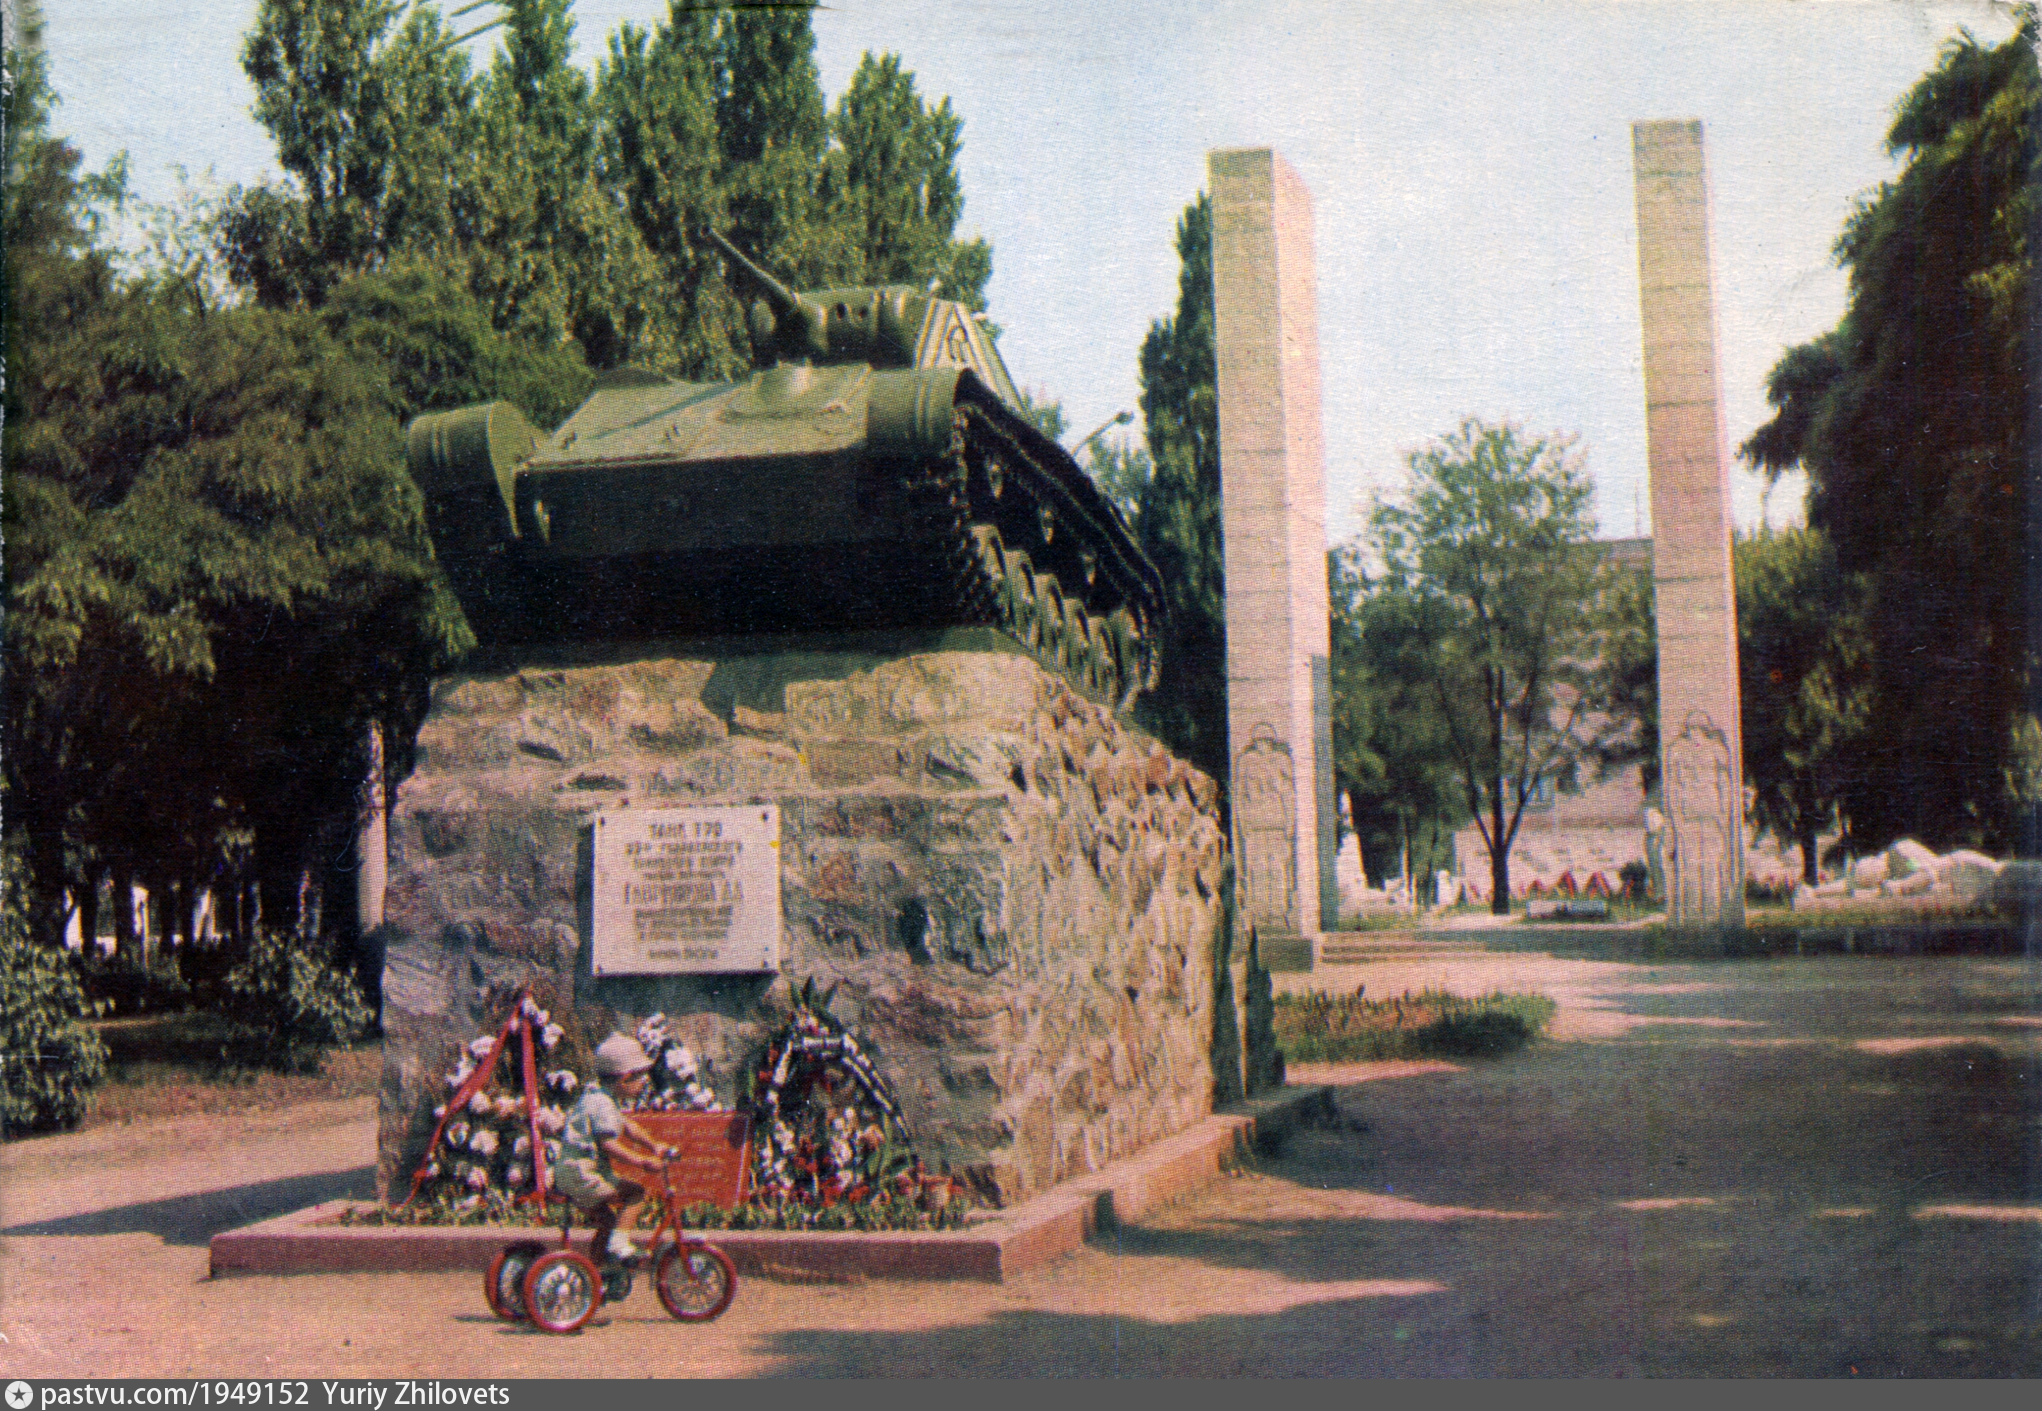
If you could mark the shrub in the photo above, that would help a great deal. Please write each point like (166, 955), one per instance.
(120, 985)
(285, 1004)
(1320, 1028)
(49, 1057)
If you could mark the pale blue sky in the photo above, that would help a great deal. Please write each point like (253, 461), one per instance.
(1470, 164)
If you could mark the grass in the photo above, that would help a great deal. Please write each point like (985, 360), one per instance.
(1878, 913)
(1398, 920)
(1320, 1028)
(170, 1065)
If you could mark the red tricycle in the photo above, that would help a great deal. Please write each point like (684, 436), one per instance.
(560, 1289)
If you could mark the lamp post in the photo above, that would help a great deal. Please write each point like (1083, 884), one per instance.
(1117, 419)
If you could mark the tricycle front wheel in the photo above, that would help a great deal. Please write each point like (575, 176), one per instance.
(696, 1282)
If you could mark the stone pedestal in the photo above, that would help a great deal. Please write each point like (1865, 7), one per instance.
(1017, 898)
(1273, 513)
(1695, 602)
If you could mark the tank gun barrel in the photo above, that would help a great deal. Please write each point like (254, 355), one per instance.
(797, 327)
(784, 300)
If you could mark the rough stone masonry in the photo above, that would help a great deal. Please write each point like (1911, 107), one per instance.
(1695, 605)
(1017, 897)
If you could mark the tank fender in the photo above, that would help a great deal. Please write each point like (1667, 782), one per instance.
(908, 414)
(466, 463)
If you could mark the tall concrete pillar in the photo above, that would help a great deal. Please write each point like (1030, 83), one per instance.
(1273, 514)
(1701, 744)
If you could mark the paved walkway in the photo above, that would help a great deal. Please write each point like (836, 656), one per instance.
(1812, 1167)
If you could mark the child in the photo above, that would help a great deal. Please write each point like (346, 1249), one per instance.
(597, 1132)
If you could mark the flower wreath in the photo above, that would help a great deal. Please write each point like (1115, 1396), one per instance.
(676, 1084)
(825, 1125)
(496, 1138)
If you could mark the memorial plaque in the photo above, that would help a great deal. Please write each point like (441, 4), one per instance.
(715, 1161)
(687, 891)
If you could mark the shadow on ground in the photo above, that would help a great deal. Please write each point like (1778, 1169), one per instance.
(195, 1219)
(1713, 1199)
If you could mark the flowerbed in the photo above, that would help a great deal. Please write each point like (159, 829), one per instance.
(1321, 1028)
(868, 1213)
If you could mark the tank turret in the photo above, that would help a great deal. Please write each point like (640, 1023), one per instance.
(874, 472)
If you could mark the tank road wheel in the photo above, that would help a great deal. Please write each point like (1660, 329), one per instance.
(985, 541)
(1049, 611)
(1017, 589)
(504, 1284)
(562, 1291)
(1105, 677)
(1077, 641)
(1128, 654)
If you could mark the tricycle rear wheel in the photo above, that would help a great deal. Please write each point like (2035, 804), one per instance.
(504, 1284)
(562, 1291)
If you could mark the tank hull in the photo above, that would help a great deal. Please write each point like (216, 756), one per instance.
(835, 499)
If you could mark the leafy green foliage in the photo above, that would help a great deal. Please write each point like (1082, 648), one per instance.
(1804, 662)
(1627, 678)
(578, 210)
(1913, 418)
(1491, 550)
(1178, 519)
(1323, 1028)
(1392, 755)
(286, 1004)
(50, 1058)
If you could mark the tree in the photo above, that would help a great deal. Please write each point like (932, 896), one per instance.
(892, 186)
(1492, 545)
(1803, 658)
(1178, 522)
(1626, 681)
(1913, 421)
(1390, 743)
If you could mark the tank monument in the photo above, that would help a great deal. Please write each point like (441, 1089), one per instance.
(813, 676)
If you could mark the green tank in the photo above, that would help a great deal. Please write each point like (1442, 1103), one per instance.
(873, 473)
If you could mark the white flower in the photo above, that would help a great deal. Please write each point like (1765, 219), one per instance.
(508, 1107)
(457, 1134)
(480, 1105)
(439, 1112)
(515, 1176)
(680, 1061)
(552, 1152)
(562, 1080)
(550, 1035)
(481, 1047)
(522, 1145)
(484, 1142)
(478, 1179)
(552, 1121)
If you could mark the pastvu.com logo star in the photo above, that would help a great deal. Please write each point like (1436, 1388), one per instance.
(19, 1394)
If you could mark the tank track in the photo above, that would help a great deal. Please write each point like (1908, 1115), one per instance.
(1020, 547)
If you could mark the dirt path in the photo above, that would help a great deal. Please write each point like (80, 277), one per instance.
(1808, 1167)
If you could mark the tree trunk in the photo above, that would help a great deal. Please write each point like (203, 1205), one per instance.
(46, 913)
(1499, 855)
(126, 943)
(1811, 869)
(88, 913)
